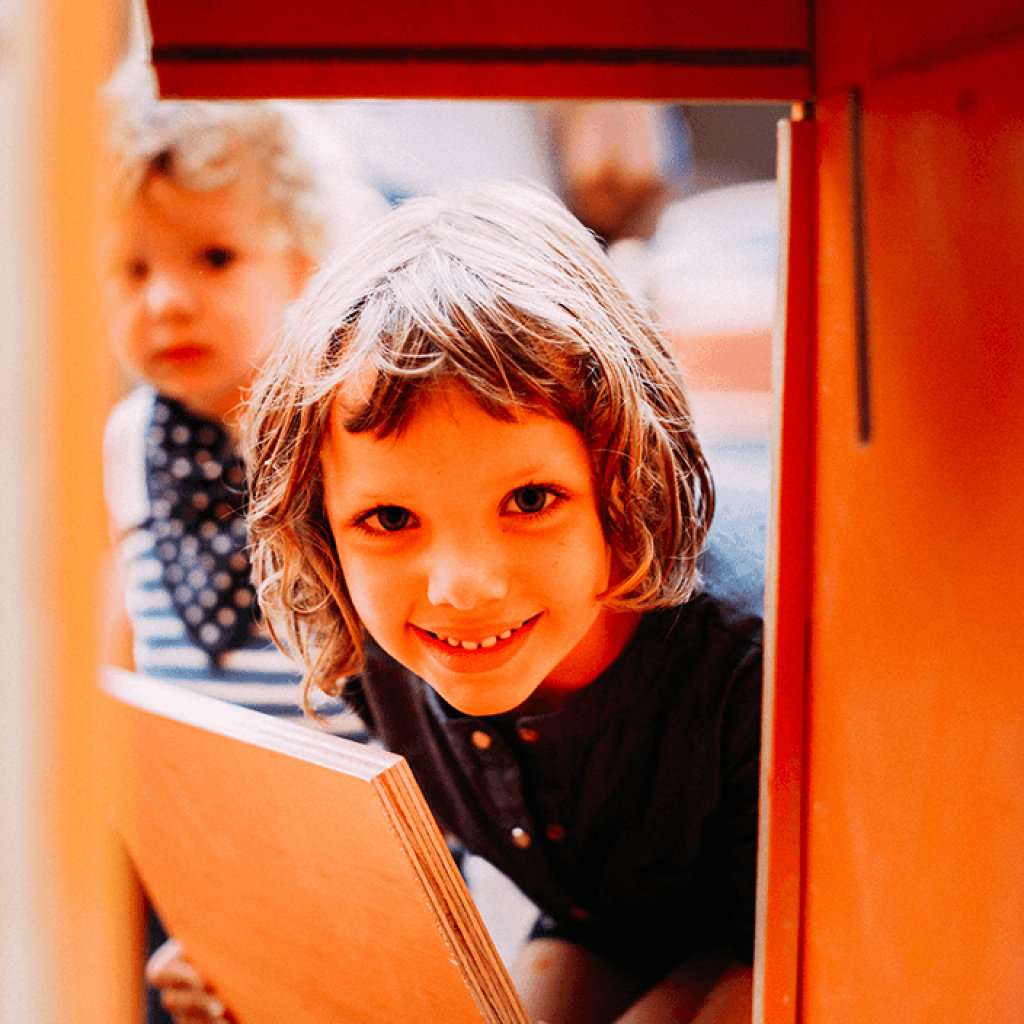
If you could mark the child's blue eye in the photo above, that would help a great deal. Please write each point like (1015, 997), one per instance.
(218, 257)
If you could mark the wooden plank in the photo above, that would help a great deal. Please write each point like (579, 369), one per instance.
(726, 24)
(914, 861)
(858, 41)
(787, 589)
(80, 946)
(303, 872)
(418, 76)
(732, 50)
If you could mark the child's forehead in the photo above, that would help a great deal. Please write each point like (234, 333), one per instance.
(239, 209)
(434, 404)
(452, 441)
(244, 194)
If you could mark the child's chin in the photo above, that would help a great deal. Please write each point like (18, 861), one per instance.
(479, 705)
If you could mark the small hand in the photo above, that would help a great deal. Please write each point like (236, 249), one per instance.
(184, 992)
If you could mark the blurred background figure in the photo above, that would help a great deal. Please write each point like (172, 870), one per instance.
(709, 271)
(617, 164)
(221, 212)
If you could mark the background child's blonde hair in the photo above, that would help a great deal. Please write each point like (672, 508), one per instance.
(303, 170)
(502, 293)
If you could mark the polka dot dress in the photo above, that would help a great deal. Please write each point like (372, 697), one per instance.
(197, 496)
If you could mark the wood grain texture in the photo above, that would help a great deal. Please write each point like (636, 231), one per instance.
(303, 872)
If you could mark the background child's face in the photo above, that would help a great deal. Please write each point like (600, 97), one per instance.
(473, 552)
(198, 289)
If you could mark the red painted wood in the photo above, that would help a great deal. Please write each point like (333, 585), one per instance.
(579, 79)
(728, 24)
(860, 40)
(735, 49)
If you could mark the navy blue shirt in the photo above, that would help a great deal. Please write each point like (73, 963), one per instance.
(629, 816)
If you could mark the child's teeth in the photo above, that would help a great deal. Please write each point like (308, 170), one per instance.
(472, 645)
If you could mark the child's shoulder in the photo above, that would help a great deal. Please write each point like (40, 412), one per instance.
(124, 438)
(716, 636)
(732, 565)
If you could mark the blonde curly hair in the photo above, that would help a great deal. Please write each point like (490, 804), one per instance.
(305, 174)
(501, 293)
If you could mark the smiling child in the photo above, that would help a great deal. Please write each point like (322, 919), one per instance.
(479, 509)
(486, 586)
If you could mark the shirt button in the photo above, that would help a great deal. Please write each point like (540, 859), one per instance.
(481, 740)
(528, 735)
(521, 837)
(555, 833)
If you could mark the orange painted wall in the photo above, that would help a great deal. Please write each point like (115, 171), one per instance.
(95, 953)
(787, 588)
(914, 870)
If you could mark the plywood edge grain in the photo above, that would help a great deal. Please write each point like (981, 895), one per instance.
(460, 922)
(182, 705)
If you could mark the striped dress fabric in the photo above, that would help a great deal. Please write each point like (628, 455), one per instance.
(258, 675)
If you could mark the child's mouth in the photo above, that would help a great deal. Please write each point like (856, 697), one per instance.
(455, 649)
(473, 645)
(181, 354)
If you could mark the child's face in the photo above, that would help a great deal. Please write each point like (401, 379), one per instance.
(197, 290)
(474, 554)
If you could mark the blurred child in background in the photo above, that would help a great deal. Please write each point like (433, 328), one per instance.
(219, 218)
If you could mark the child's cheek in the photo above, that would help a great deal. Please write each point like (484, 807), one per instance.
(373, 593)
(124, 332)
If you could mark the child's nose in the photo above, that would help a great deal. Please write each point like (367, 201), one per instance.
(467, 575)
(168, 297)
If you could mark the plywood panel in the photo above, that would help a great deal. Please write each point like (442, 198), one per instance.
(915, 858)
(302, 872)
